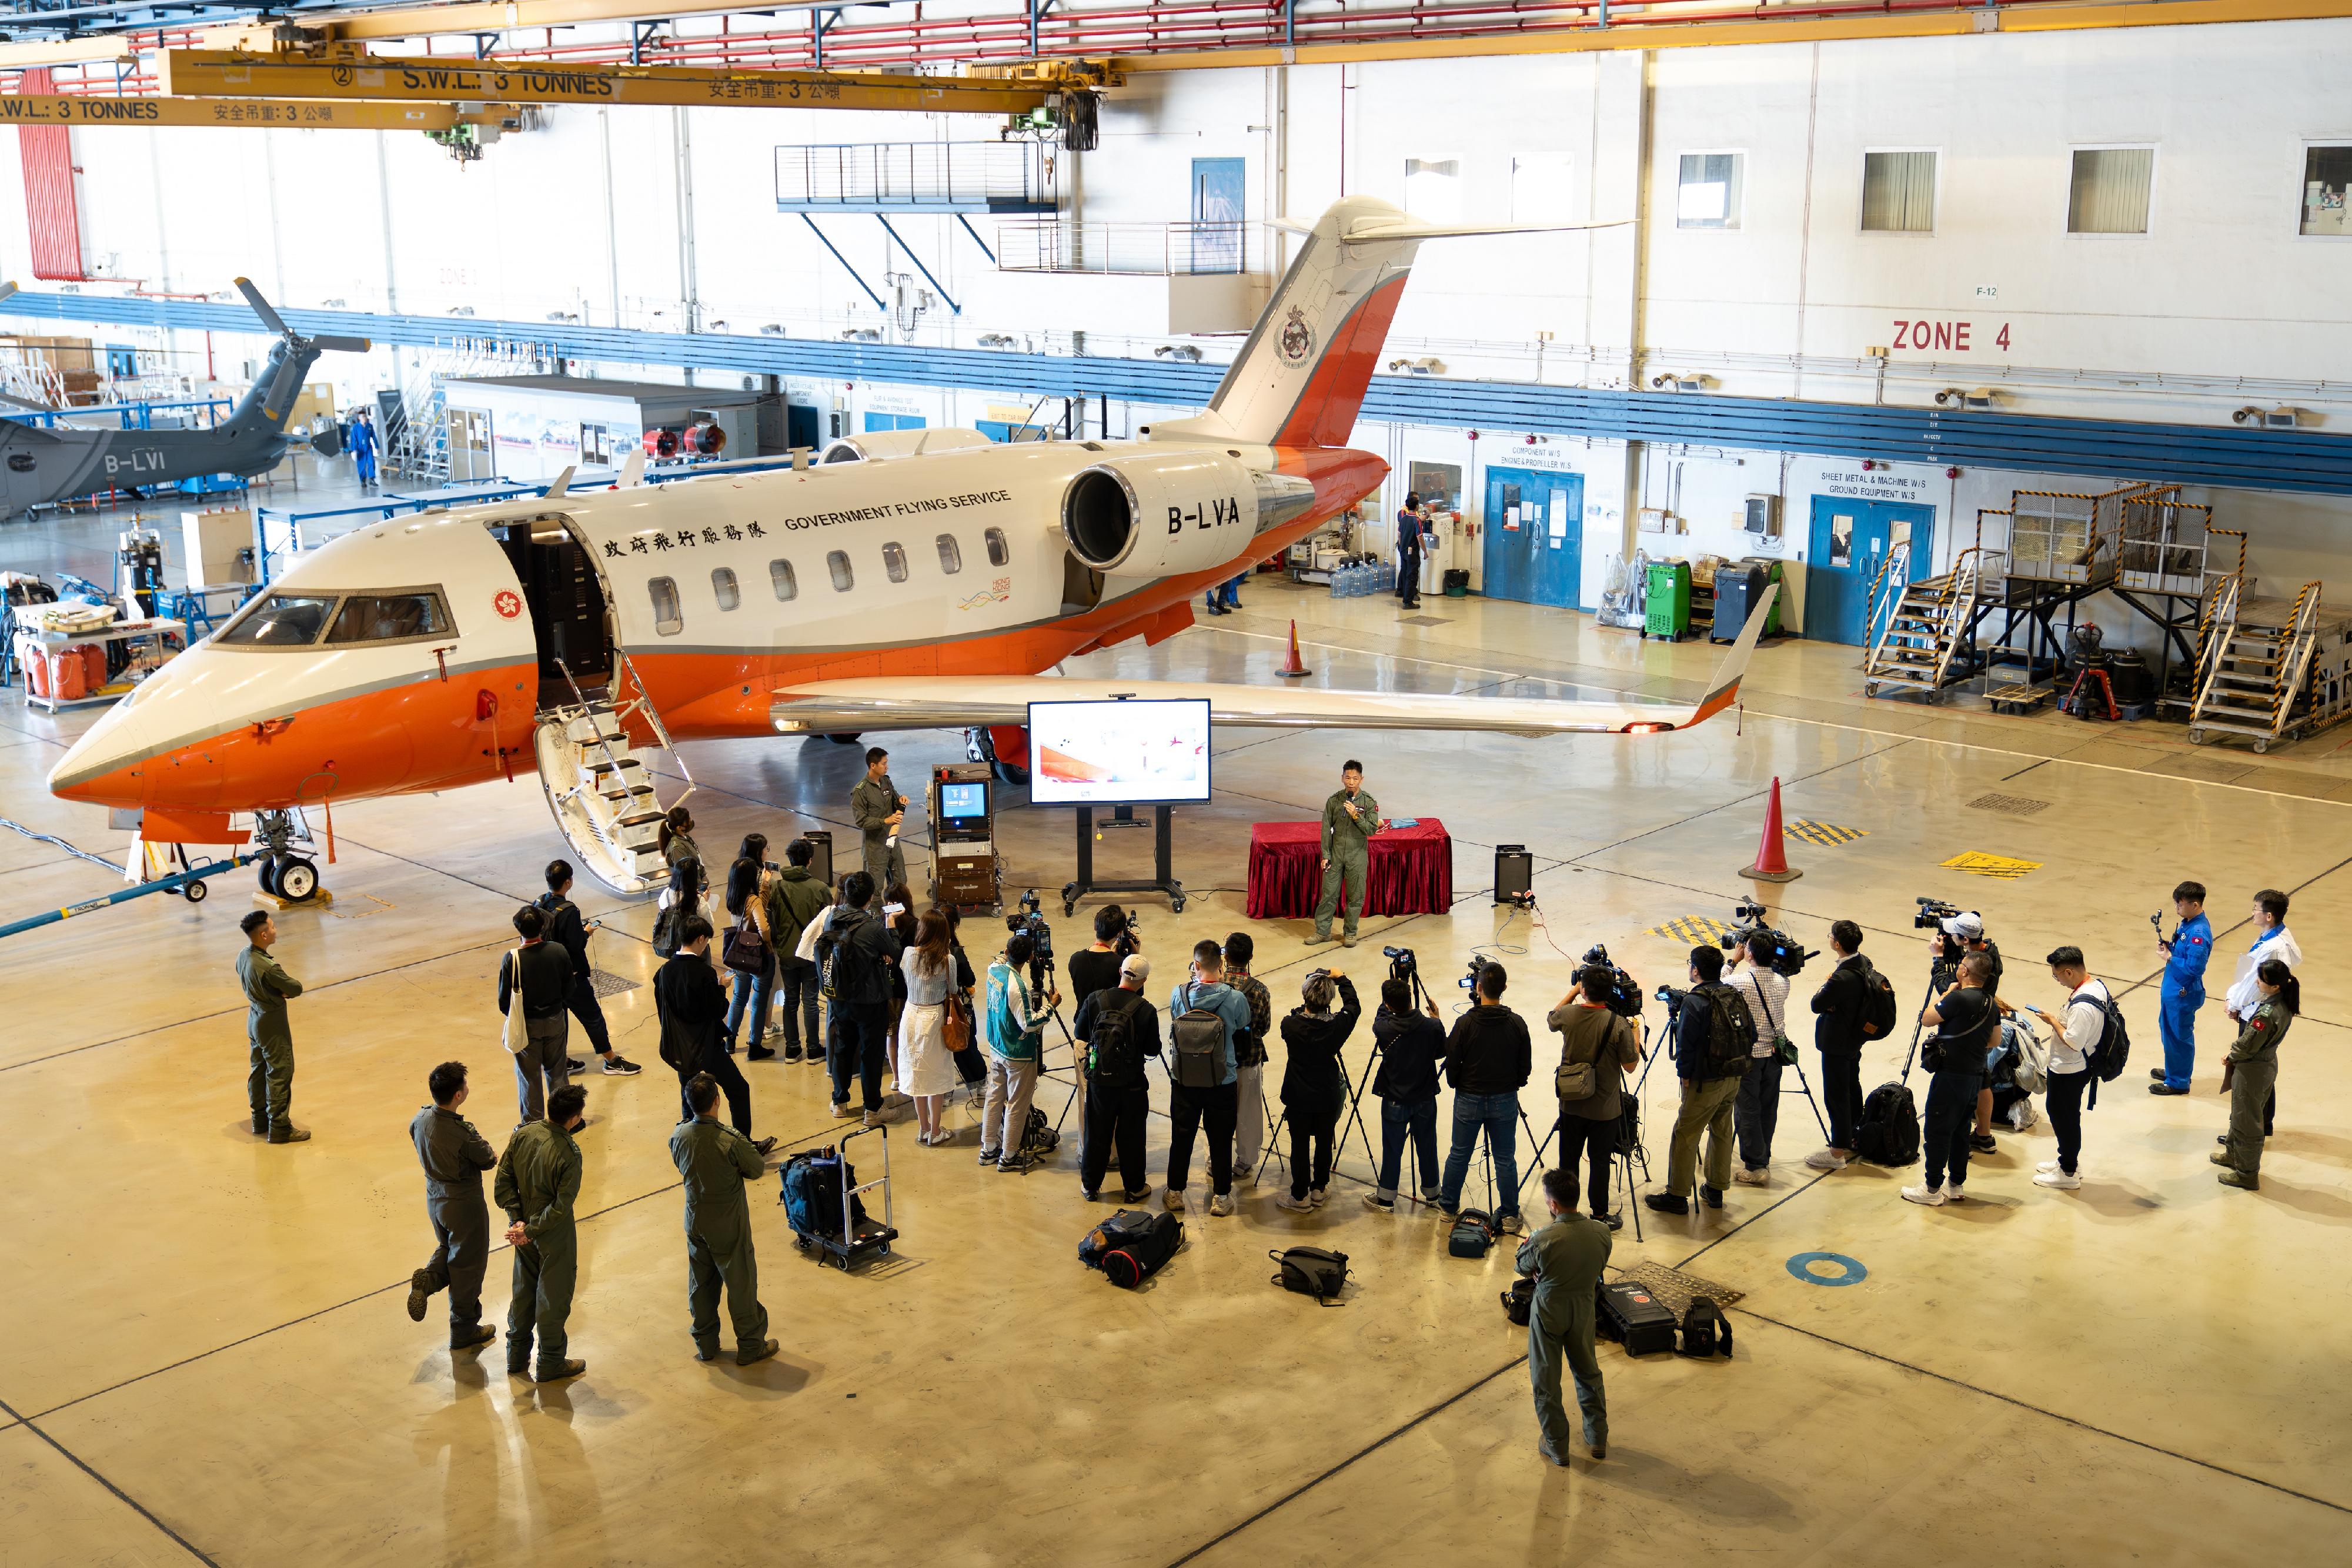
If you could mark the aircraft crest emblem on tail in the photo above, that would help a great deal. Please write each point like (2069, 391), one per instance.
(1297, 339)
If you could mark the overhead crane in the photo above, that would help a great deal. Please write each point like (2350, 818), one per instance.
(308, 114)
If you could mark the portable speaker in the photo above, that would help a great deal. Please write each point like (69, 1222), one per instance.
(821, 863)
(1515, 872)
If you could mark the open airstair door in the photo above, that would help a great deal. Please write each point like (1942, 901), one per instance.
(597, 784)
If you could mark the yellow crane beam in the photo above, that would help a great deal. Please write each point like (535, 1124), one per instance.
(79, 109)
(346, 74)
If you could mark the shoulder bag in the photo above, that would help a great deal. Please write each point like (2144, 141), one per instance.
(513, 1034)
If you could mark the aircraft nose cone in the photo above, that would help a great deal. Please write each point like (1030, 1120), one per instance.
(104, 766)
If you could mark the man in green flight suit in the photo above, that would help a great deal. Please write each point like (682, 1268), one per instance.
(1351, 817)
(1566, 1257)
(879, 810)
(270, 1084)
(538, 1183)
(716, 1161)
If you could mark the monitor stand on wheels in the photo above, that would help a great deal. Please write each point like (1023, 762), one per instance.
(1163, 878)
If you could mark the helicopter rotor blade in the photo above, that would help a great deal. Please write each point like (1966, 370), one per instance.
(269, 318)
(339, 344)
(281, 388)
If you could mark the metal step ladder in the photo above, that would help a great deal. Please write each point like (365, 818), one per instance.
(421, 451)
(597, 785)
(2254, 666)
(1921, 626)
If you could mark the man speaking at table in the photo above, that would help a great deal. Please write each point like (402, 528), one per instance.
(1350, 817)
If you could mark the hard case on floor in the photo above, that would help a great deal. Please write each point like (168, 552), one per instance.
(1634, 1318)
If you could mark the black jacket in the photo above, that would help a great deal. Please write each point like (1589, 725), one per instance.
(875, 953)
(567, 930)
(546, 978)
(1090, 971)
(1488, 1052)
(692, 1008)
(1145, 1026)
(1313, 1081)
(1693, 1026)
(1411, 1045)
(1838, 1005)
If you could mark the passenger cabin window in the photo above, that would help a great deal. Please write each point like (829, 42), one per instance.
(780, 578)
(669, 618)
(951, 555)
(725, 589)
(838, 562)
(389, 618)
(280, 620)
(999, 552)
(893, 561)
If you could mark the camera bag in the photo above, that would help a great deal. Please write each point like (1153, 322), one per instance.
(1039, 1134)
(1705, 1328)
(1634, 1318)
(1878, 1010)
(1888, 1132)
(1519, 1302)
(1131, 1245)
(1312, 1271)
(1199, 1038)
(1472, 1233)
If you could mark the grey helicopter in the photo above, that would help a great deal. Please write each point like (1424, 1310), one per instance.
(40, 466)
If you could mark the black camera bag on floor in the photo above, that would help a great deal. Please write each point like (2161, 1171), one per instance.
(1634, 1318)
(1131, 1245)
(1519, 1302)
(1888, 1132)
(1312, 1271)
(1705, 1328)
(1472, 1233)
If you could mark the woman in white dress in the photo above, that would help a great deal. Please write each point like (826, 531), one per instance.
(926, 1066)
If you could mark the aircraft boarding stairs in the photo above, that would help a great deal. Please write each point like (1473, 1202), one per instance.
(597, 784)
(1922, 628)
(2256, 675)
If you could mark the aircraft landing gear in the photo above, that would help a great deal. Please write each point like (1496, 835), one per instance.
(848, 739)
(980, 746)
(285, 875)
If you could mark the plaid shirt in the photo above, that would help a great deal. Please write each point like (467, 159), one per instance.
(1251, 1052)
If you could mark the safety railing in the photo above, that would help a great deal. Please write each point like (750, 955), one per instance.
(2294, 669)
(643, 705)
(2222, 624)
(1157, 250)
(915, 177)
(1886, 591)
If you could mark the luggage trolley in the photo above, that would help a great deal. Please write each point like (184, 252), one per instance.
(857, 1237)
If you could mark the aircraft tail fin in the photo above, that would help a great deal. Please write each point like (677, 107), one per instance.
(1723, 688)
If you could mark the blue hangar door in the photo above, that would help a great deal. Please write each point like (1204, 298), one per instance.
(1535, 536)
(1850, 542)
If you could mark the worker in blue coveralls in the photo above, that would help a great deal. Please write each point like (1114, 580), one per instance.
(363, 445)
(2185, 956)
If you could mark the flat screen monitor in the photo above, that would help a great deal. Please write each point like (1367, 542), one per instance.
(1144, 751)
(963, 808)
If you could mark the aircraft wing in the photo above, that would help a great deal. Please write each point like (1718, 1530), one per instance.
(958, 702)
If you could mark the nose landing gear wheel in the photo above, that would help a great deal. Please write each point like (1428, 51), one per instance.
(297, 880)
(268, 875)
(848, 739)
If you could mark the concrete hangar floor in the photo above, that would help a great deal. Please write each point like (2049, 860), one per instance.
(207, 1357)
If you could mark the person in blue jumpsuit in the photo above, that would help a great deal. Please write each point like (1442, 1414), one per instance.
(2186, 952)
(363, 443)
(1411, 538)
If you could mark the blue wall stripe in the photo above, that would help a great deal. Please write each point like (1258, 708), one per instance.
(2220, 455)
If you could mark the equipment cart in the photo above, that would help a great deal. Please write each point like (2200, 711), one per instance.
(851, 1236)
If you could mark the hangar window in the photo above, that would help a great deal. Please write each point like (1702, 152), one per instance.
(2109, 194)
(1899, 191)
(1433, 187)
(893, 561)
(838, 562)
(1540, 188)
(669, 620)
(780, 578)
(280, 621)
(725, 589)
(999, 552)
(1707, 195)
(2327, 180)
(389, 618)
(951, 555)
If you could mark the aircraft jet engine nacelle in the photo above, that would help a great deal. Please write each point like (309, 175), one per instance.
(1164, 513)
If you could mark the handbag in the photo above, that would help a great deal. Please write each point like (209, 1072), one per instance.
(666, 922)
(746, 948)
(513, 1033)
(955, 1023)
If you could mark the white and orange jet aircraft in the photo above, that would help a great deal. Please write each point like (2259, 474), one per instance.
(933, 585)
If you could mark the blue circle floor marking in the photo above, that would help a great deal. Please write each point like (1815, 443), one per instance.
(1852, 1271)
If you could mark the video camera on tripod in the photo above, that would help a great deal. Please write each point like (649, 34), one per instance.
(1932, 912)
(1401, 963)
(1025, 921)
(1479, 965)
(1782, 954)
(1622, 997)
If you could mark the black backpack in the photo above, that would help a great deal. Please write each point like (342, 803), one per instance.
(2113, 1053)
(1705, 1328)
(1879, 1011)
(1888, 1133)
(1132, 1245)
(809, 1186)
(1113, 1057)
(1472, 1233)
(1198, 1037)
(1039, 1136)
(1731, 1033)
(1519, 1302)
(1312, 1271)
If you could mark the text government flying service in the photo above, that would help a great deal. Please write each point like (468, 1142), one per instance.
(896, 509)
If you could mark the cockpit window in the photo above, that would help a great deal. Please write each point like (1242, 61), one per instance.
(280, 621)
(389, 618)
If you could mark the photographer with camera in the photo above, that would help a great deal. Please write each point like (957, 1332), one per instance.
(1713, 1034)
(1967, 1019)
(1249, 1057)
(1488, 1057)
(1096, 968)
(1119, 1029)
(1854, 1006)
(1598, 1047)
(1314, 1085)
(1756, 1108)
(1016, 1033)
(1964, 935)
(1206, 1015)
(1410, 1044)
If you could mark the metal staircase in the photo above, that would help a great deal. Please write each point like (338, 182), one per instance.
(1921, 627)
(421, 450)
(598, 787)
(2255, 666)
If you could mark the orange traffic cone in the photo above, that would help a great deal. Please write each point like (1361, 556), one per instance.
(1771, 860)
(1292, 666)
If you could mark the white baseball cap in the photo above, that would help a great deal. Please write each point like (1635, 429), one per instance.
(1968, 923)
(1135, 965)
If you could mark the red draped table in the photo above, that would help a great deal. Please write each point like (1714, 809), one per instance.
(1411, 872)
